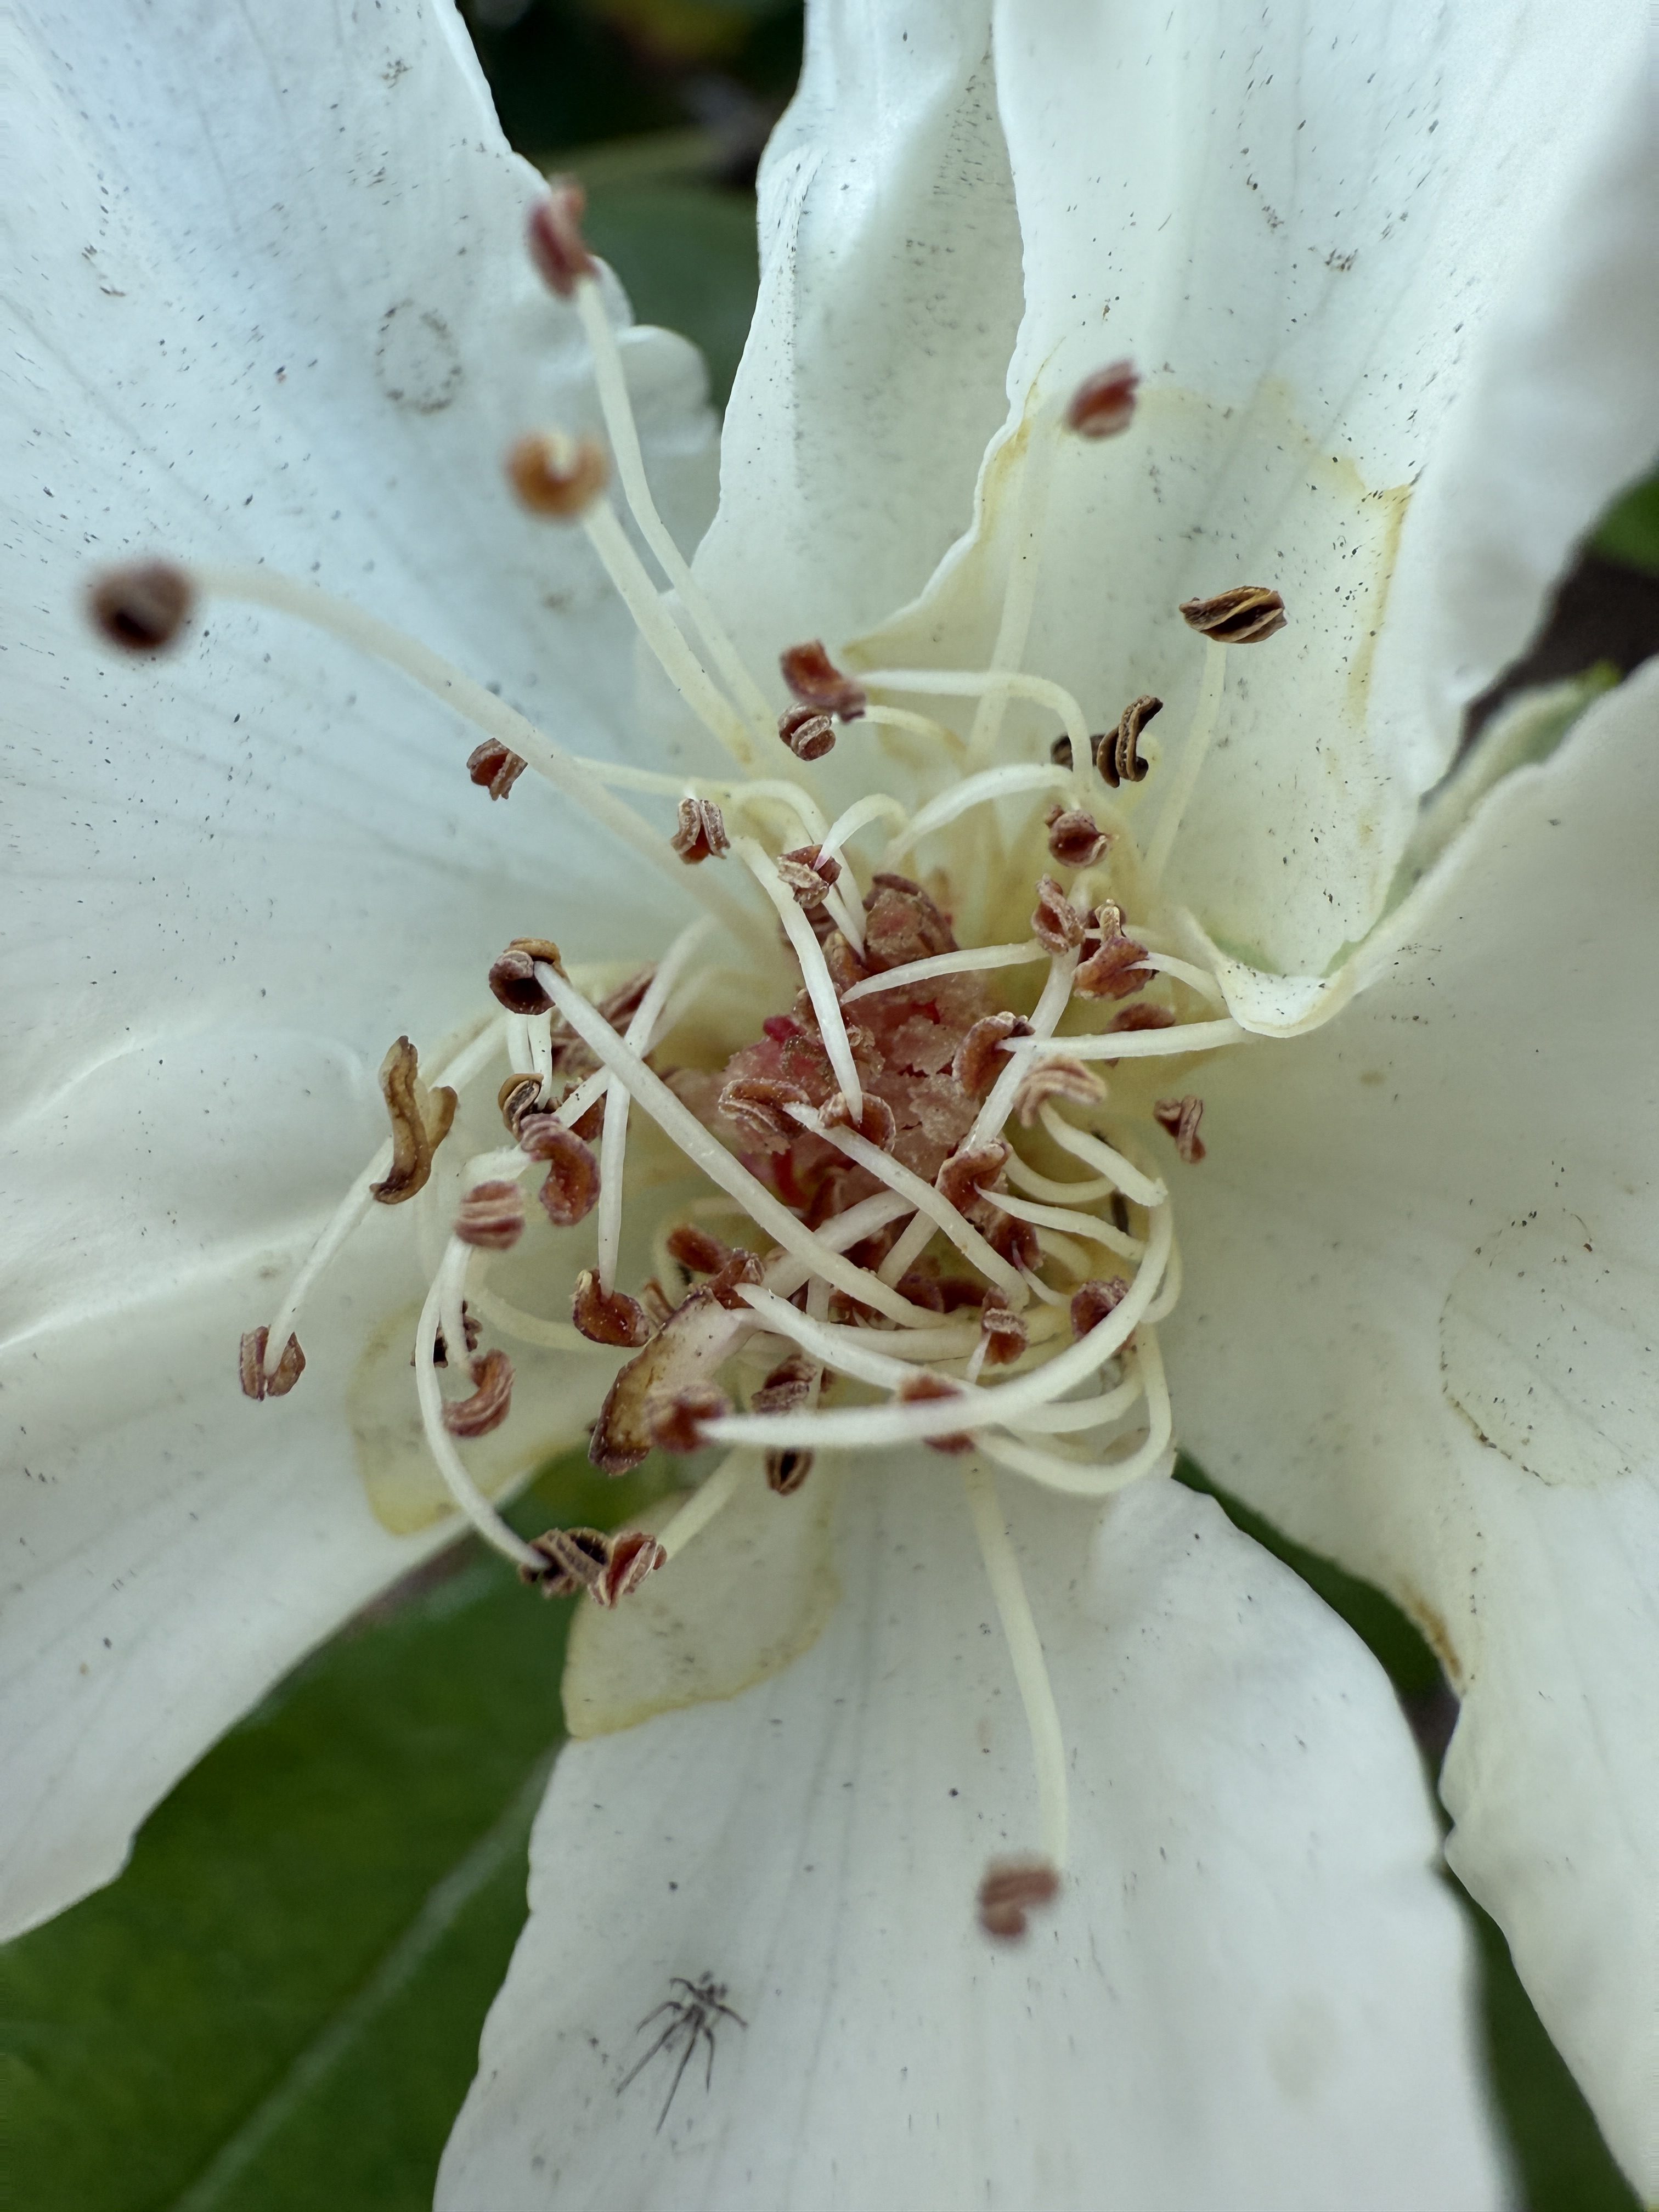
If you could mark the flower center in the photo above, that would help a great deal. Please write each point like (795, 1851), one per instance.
(892, 1182)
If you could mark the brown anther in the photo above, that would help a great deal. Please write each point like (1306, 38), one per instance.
(674, 1418)
(1011, 1890)
(491, 1401)
(788, 1387)
(701, 834)
(1055, 922)
(845, 966)
(965, 1174)
(620, 1006)
(608, 1566)
(519, 1096)
(878, 1125)
(807, 730)
(696, 1250)
(1103, 404)
(1076, 840)
(608, 1316)
(1117, 754)
(1093, 1301)
(469, 1328)
(737, 1268)
(421, 1121)
(491, 1217)
(555, 476)
(1143, 1015)
(809, 873)
(255, 1383)
(1244, 616)
(1071, 1080)
(787, 1469)
(1004, 1333)
(1181, 1117)
(816, 682)
(1061, 751)
(979, 1058)
(493, 766)
(553, 233)
(922, 1287)
(143, 606)
(1015, 1241)
(757, 1103)
(1112, 970)
(918, 1389)
(513, 976)
(571, 1188)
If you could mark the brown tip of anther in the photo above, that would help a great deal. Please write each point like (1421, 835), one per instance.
(608, 1566)
(788, 1387)
(513, 976)
(491, 1401)
(555, 476)
(1181, 1118)
(809, 873)
(1117, 754)
(1076, 840)
(571, 1190)
(921, 1389)
(1103, 404)
(979, 1058)
(727, 1282)
(420, 1119)
(518, 1095)
(816, 682)
(1055, 922)
(1004, 1333)
(695, 1249)
(493, 766)
(608, 1316)
(702, 832)
(1093, 1301)
(674, 1418)
(1012, 1889)
(1244, 616)
(759, 1105)
(808, 732)
(962, 1177)
(787, 1469)
(1068, 1080)
(491, 1217)
(553, 232)
(141, 607)
(878, 1124)
(255, 1383)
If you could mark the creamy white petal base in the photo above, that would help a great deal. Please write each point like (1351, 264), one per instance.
(1254, 1991)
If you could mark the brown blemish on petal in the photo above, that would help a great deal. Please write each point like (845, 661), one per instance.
(420, 1118)
(1103, 404)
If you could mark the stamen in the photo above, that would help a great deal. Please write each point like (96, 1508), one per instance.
(421, 1120)
(553, 233)
(556, 476)
(1103, 404)
(1244, 616)
(1151, 1044)
(1055, 922)
(978, 1058)
(973, 791)
(1056, 1079)
(702, 832)
(1181, 1118)
(284, 1373)
(608, 1566)
(1116, 969)
(1031, 1671)
(608, 1316)
(143, 607)
(491, 1217)
(1068, 1221)
(1010, 1891)
(513, 974)
(990, 682)
(969, 962)
(491, 1401)
(495, 768)
(1044, 1019)
(1143, 1190)
(818, 683)
(808, 734)
(820, 986)
(704, 1503)
(1076, 840)
(1117, 755)
(1195, 979)
(461, 1486)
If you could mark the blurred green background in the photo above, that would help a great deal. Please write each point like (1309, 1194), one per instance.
(277, 2008)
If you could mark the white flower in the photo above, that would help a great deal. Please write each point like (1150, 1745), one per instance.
(290, 326)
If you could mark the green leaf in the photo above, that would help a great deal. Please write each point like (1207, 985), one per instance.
(687, 257)
(1629, 530)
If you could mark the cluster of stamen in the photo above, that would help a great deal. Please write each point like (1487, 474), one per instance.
(922, 1152)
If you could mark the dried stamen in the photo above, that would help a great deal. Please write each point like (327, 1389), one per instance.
(491, 1399)
(491, 1217)
(1093, 1301)
(1055, 922)
(421, 1120)
(1244, 616)
(966, 1173)
(495, 768)
(878, 1124)
(1112, 970)
(1103, 404)
(1117, 755)
(553, 233)
(608, 1316)
(811, 874)
(1012, 1889)
(608, 1566)
(1181, 1117)
(255, 1383)
(816, 682)
(143, 607)
(701, 834)
(1004, 1331)
(556, 475)
(980, 1058)
(786, 1471)
(674, 1418)
(513, 976)
(759, 1105)
(695, 1249)
(789, 1386)
(807, 730)
(1076, 840)
(572, 1188)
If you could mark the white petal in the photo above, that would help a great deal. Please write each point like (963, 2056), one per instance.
(889, 302)
(1419, 1331)
(1252, 1991)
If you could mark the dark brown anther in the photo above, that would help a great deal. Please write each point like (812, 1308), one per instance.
(1015, 1241)
(920, 1389)
(1181, 1118)
(701, 834)
(1103, 404)
(255, 1383)
(807, 730)
(1244, 616)
(816, 682)
(1093, 1301)
(556, 476)
(921, 1286)
(141, 607)
(553, 233)
(1004, 1333)
(785, 1470)
(1143, 1015)
(469, 1329)
(1112, 970)
(491, 1217)
(493, 766)
(965, 1174)
(727, 1282)
(1076, 840)
(421, 1121)
(608, 1316)
(979, 1058)
(758, 1104)
(878, 1125)
(1117, 754)
(1055, 922)
(674, 1418)
(1012, 1889)
(696, 1250)
(1061, 751)
(809, 873)
(571, 1189)
(788, 1387)
(491, 1401)
(513, 976)
(608, 1566)
(845, 966)
(1071, 1080)
(620, 1006)
(519, 1096)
